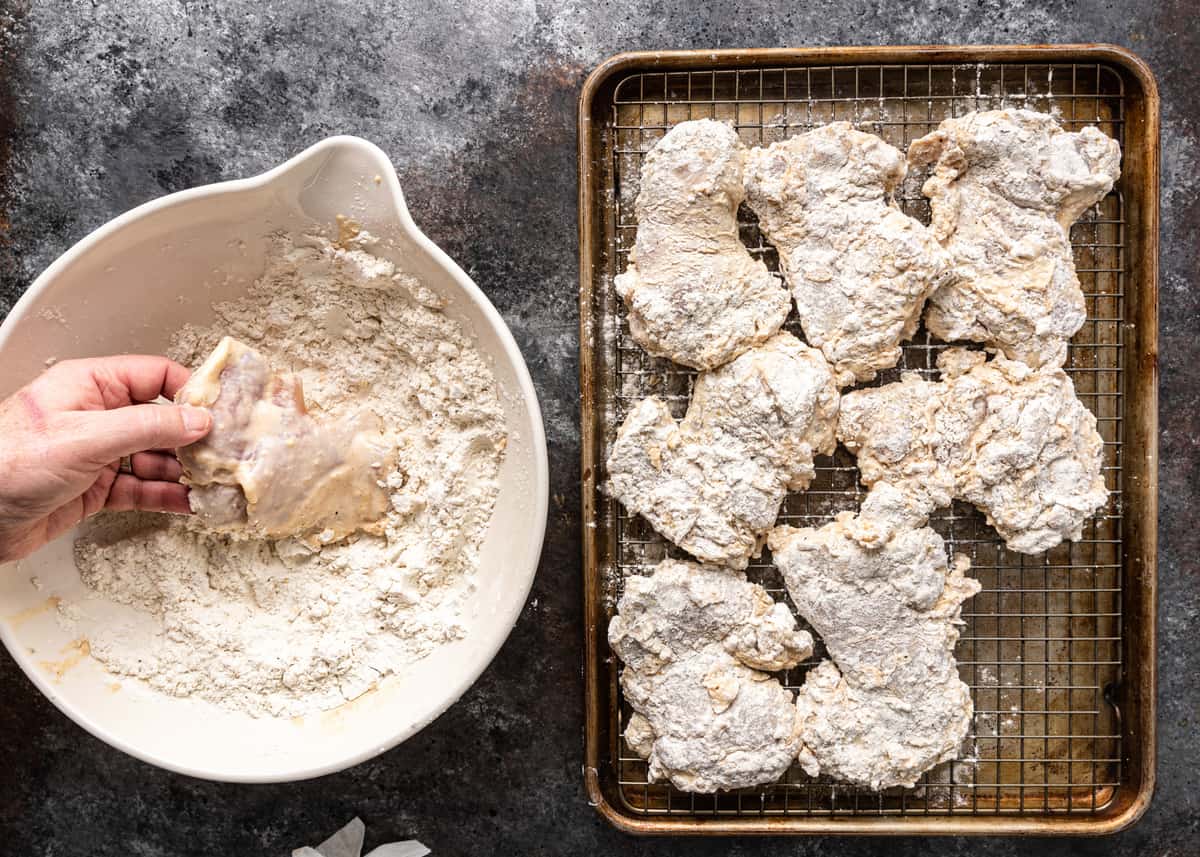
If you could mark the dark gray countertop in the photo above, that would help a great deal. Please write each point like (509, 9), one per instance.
(106, 105)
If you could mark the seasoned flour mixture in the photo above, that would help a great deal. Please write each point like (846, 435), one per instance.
(279, 628)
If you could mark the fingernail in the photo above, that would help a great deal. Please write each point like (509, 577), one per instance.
(195, 419)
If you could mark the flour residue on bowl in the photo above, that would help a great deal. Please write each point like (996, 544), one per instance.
(280, 628)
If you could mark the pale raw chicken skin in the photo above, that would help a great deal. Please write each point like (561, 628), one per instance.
(269, 468)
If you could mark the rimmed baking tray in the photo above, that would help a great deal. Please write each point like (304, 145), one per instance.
(1058, 648)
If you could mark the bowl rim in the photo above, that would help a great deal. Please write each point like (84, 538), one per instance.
(320, 150)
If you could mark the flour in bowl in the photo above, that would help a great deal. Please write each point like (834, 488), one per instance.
(280, 628)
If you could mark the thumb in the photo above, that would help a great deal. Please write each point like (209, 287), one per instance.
(104, 436)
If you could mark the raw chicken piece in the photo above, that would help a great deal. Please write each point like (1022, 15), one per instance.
(693, 291)
(1006, 188)
(269, 468)
(859, 268)
(684, 606)
(890, 704)
(1014, 441)
(693, 639)
(713, 482)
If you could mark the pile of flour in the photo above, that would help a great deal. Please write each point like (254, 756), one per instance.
(277, 628)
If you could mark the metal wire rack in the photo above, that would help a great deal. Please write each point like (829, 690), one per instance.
(1041, 648)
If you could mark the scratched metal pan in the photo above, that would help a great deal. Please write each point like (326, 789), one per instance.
(1058, 649)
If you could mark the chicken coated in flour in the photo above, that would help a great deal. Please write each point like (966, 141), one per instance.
(693, 291)
(695, 640)
(1006, 187)
(890, 704)
(1014, 441)
(1008, 435)
(858, 267)
(713, 482)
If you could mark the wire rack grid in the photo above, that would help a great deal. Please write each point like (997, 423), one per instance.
(1041, 645)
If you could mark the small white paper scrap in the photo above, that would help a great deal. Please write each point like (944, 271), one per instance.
(348, 842)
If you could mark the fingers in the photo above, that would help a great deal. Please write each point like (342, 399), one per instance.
(128, 493)
(121, 380)
(99, 437)
(156, 466)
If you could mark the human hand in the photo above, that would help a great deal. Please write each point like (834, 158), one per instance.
(62, 438)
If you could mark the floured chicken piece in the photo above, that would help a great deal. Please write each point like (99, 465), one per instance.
(859, 268)
(269, 468)
(694, 293)
(694, 639)
(712, 483)
(1006, 187)
(890, 704)
(1014, 441)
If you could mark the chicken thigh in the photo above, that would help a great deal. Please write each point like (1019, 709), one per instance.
(269, 468)
(890, 704)
(859, 268)
(1006, 187)
(694, 293)
(712, 483)
(1014, 441)
(694, 639)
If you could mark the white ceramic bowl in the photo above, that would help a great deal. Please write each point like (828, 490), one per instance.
(124, 289)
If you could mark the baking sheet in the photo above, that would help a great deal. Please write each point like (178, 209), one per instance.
(1044, 648)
